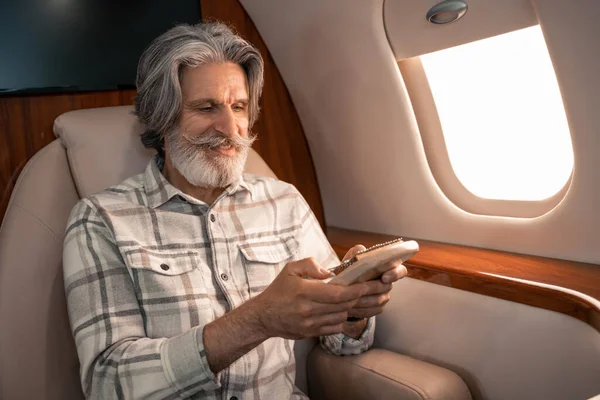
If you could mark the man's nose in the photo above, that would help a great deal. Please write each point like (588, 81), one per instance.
(226, 123)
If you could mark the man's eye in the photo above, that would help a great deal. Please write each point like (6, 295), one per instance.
(205, 109)
(240, 107)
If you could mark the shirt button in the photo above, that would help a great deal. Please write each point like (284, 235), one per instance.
(212, 218)
(164, 267)
(224, 277)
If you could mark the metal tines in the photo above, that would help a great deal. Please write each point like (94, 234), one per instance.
(377, 246)
(345, 264)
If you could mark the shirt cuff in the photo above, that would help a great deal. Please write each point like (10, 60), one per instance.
(344, 345)
(186, 365)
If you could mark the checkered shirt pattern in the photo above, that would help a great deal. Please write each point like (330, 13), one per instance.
(146, 267)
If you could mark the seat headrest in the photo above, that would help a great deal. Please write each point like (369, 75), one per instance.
(104, 148)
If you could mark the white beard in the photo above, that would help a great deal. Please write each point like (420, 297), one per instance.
(203, 167)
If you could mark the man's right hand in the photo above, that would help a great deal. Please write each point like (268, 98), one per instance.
(291, 307)
(295, 308)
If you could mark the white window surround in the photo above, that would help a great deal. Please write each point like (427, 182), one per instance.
(509, 195)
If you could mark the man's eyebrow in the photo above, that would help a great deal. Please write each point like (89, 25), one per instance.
(198, 102)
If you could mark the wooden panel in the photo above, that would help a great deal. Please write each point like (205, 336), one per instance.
(26, 127)
(469, 269)
(281, 141)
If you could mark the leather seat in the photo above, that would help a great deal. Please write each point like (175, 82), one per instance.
(95, 149)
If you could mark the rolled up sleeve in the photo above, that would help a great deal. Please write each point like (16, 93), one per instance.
(343, 345)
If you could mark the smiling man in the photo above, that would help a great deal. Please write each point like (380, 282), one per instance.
(187, 280)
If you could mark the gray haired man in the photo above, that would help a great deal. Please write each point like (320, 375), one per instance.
(186, 281)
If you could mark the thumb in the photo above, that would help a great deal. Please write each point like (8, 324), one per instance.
(309, 268)
(352, 252)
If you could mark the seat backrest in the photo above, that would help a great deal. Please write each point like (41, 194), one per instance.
(37, 352)
(96, 148)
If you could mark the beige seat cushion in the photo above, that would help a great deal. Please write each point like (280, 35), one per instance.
(380, 374)
(37, 353)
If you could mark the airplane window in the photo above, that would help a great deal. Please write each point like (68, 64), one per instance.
(502, 116)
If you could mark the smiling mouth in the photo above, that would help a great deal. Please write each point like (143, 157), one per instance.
(226, 150)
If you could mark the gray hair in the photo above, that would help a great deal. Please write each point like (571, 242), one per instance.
(158, 100)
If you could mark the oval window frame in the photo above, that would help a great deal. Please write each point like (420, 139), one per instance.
(438, 159)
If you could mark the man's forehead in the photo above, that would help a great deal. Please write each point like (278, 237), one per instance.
(214, 81)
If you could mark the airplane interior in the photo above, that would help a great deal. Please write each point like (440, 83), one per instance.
(471, 127)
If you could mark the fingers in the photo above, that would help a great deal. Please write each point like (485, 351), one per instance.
(307, 268)
(372, 301)
(332, 294)
(352, 252)
(326, 323)
(324, 308)
(365, 312)
(377, 287)
(391, 272)
(369, 306)
(394, 274)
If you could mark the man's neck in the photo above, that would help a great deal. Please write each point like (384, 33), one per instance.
(205, 194)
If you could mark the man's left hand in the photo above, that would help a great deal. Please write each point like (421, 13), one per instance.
(374, 300)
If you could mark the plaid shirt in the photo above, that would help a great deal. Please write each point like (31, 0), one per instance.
(146, 267)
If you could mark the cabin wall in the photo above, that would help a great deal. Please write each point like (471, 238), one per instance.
(503, 350)
(342, 74)
(26, 121)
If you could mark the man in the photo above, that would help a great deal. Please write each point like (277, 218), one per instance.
(188, 280)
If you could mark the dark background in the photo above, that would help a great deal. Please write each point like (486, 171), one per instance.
(49, 46)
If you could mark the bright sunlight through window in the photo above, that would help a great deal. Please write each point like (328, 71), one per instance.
(502, 116)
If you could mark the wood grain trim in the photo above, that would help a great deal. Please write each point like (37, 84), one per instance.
(281, 140)
(568, 287)
(26, 127)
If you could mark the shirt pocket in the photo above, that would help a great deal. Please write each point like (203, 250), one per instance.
(163, 263)
(170, 290)
(264, 260)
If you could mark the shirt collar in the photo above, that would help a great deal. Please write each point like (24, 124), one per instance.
(239, 185)
(159, 190)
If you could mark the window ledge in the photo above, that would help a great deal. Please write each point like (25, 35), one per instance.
(568, 287)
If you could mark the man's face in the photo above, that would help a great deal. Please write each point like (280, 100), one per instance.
(210, 145)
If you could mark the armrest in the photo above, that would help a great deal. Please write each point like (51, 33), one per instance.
(380, 374)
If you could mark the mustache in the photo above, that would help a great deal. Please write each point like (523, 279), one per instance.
(214, 139)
